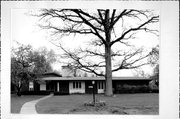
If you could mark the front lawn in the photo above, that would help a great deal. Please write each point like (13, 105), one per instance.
(119, 104)
(17, 102)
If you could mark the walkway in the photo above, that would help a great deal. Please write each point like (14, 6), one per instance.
(30, 107)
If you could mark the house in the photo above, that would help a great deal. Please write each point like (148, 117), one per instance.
(54, 82)
(71, 81)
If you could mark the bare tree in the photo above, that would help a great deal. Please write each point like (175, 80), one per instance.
(108, 28)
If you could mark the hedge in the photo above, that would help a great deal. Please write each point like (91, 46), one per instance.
(35, 92)
(134, 89)
(61, 93)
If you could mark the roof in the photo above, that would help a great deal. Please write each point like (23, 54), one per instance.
(91, 78)
(50, 74)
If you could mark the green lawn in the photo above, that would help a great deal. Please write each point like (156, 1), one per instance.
(119, 104)
(17, 102)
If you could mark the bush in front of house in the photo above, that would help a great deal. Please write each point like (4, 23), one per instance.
(35, 92)
(154, 91)
(132, 89)
(98, 103)
(154, 88)
(61, 93)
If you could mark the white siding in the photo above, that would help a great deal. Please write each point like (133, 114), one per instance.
(100, 90)
(42, 86)
(76, 90)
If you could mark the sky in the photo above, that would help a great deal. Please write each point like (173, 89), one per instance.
(25, 30)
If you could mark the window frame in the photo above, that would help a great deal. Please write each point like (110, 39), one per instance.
(77, 85)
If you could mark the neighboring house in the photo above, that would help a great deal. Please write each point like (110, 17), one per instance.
(69, 85)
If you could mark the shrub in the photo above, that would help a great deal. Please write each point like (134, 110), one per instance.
(133, 89)
(61, 93)
(35, 92)
(97, 103)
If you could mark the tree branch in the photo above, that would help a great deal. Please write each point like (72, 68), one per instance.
(129, 62)
(76, 63)
(114, 20)
(92, 26)
(140, 27)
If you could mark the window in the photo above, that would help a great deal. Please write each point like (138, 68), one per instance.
(79, 84)
(100, 85)
(76, 85)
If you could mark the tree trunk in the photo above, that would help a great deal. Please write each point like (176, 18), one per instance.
(19, 91)
(108, 75)
(19, 88)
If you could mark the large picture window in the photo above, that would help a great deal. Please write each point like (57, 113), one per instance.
(100, 85)
(76, 85)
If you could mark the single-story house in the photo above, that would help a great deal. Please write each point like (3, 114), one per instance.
(68, 85)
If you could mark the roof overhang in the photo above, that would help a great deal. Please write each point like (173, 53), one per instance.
(90, 78)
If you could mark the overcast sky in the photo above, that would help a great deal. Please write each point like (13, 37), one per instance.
(25, 30)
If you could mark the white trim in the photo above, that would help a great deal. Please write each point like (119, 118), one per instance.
(57, 86)
(93, 78)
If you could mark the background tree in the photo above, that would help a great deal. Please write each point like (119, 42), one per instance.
(154, 61)
(48, 54)
(155, 75)
(27, 63)
(42, 60)
(139, 72)
(20, 66)
(108, 28)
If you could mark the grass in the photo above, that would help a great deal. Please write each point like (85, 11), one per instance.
(119, 104)
(17, 102)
